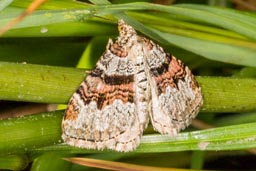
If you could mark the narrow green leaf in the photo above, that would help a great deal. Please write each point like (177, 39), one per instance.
(241, 16)
(212, 50)
(4, 4)
(100, 2)
(40, 18)
(196, 15)
(168, 21)
(207, 36)
(232, 51)
(94, 49)
(49, 17)
(71, 29)
(222, 138)
(29, 133)
(53, 5)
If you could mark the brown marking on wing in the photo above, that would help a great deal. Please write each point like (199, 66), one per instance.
(148, 43)
(168, 74)
(194, 84)
(109, 93)
(72, 110)
(87, 91)
(118, 50)
(177, 68)
(118, 79)
(94, 89)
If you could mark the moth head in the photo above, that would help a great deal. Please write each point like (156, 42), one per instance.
(126, 32)
(125, 29)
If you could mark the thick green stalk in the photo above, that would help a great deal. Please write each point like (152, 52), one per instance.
(14, 162)
(38, 83)
(51, 161)
(19, 135)
(48, 84)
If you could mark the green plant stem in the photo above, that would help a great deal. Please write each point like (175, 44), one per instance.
(49, 84)
(42, 133)
(51, 161)
(14, 162)
(197, 160)
(20, 135)
(38, 83)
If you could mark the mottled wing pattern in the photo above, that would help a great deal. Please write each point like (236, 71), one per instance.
(102, 113)
(176, 96)
(133, 81)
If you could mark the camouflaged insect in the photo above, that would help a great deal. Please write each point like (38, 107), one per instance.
(133, 82)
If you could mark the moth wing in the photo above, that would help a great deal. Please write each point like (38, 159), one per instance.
(176, 96)
(102, 115)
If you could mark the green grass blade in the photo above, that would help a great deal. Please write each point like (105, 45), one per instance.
(213, 47)
(30, 133)
(222, 138)
(48, 17)
(196, 15)
(53, 5)
(164, 20)
(4, 4)
(72, 29)
(93, 49)
(241, 16)
(226, 40)
(215, 51)
(100, 2)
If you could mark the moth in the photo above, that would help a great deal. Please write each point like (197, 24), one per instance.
(133, 82)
